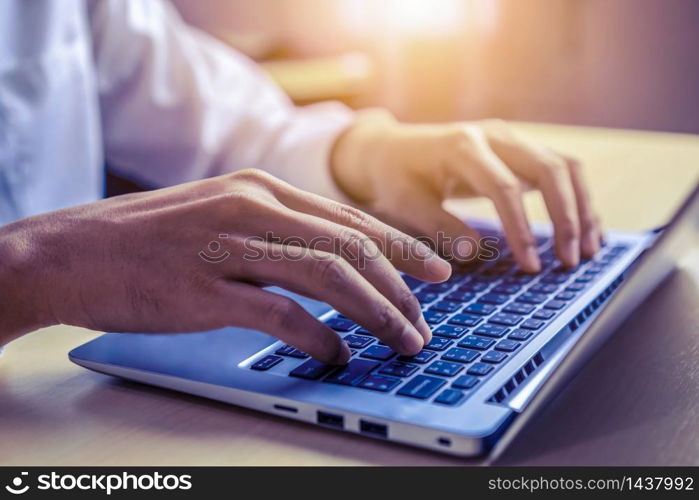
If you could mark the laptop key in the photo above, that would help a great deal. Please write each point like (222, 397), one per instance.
(565, 296)
(480, 369)
(473, 342)
(266, 363)
(352, 372)
(450, 397)
(421, 387)
(507, 289)
(340, 325)
(426, 297)
(473, 286)
(444, 368)
(490, 330)
(357, 341)
(555, 278)
(399, 369)
(465, 382)
(494, 357)
(532, 298)
(505, 319)
(575, 287)
(437, 287)
(311, 370)
(507, 345)
(494, 298)
(518, 308)
(459, 297)
(556, 305)
(544, 314)
(543, 288)
(480, 308)
(464, 320)
(421, 357)
(379, 383)
(380, 352)
(433, 317)
(444, 306)
(291, 351)
(438, 344)
(450, 331)
(460, 355)
(520, 334)
(532, 324)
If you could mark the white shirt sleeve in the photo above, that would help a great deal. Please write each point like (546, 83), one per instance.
(177, 105)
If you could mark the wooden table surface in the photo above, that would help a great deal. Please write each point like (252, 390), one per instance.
(636, 402)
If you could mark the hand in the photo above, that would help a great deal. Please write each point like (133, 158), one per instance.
(402, 173)
(133, 264)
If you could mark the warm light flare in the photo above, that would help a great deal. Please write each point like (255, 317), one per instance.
(422, 16)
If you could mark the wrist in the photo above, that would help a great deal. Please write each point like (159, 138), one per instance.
(23, 282)
(358, 150)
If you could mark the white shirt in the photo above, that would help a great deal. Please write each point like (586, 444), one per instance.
(127, 81)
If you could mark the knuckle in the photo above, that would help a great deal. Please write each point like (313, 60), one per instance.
(330, 272)
(495, 124)
(507, 184)
(387, 323)
(282, 312)
(568, 228)
(555, 167)
(356, 244)
(409, 305)
(250, 174)
(350, 216)
(465, 136)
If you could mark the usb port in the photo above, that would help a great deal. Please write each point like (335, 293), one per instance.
(373, 429)
(331, 420)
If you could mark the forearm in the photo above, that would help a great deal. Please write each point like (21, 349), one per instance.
(24, 282)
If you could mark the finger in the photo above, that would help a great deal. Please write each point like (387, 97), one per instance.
(492, 178)
(357, 250)
(590, 229)
(550, 173)
(248, 306)
(406, 253)
(326, 275)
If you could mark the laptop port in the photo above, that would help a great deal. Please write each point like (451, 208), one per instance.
(444, 441)
(289, 409)
(373, 429)
(331, 420)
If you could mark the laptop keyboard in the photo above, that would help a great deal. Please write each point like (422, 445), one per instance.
(478, 320)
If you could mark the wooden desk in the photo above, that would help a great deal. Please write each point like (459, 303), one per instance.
(636, 402)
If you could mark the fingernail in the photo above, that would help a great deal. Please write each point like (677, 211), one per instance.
(344, 355)
(424, 329)
(532, 259)
(411, 341)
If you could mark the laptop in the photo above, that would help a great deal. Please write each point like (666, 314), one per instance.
(504, 344)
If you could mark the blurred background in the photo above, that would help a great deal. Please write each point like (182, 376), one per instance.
(615, 63)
